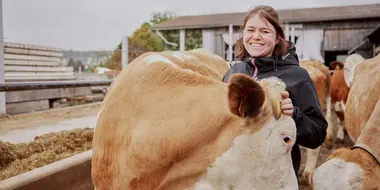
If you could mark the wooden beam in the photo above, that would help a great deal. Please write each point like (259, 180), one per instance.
(38, 78)
(30, 46)
(37, 74)
(230, 36)
(25, 107)
(124, 52)
(286, 32)
(292, 34)
(30, 58)
(8, 50)
(44, 94)
(32, 63)
(37, 69)
(2, 72)
(182, 40)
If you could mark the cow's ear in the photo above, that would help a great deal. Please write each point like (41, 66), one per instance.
(245, 96)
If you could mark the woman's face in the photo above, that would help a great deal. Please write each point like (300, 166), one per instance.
(259, 37)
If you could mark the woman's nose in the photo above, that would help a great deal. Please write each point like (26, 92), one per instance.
(256, 35)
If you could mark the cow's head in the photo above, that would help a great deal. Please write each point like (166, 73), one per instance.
(337, 65)
(349, 67)
(269, 135)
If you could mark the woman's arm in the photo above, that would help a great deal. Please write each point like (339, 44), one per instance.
(307, 114)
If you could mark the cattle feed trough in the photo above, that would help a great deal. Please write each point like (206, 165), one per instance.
(69, 173)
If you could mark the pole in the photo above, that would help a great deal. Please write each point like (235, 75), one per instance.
(124, 52)
(19, 86)
(230, 33)
(2, 70)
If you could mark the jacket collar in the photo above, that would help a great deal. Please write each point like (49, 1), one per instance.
(265, 64)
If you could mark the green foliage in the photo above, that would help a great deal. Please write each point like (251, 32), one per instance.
(147, 39)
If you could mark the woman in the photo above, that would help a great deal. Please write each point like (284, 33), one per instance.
(263, 52)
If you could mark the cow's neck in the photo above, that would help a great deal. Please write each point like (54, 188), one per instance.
(248, 165)
(368, 139)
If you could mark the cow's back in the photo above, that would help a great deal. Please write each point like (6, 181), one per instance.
(363, 96)
(127, 133)
(339, 89)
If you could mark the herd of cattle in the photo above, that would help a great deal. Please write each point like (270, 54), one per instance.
(168, 122)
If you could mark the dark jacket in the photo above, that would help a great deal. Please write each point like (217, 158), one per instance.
(310, 122)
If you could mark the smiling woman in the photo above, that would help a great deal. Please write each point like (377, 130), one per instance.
(262, 53)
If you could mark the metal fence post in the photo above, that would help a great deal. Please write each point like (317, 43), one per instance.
(2, 67)
(124, 52)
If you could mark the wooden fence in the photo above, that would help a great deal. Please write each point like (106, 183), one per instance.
(34, 63)
(25, 62)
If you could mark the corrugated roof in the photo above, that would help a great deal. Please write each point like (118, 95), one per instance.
(286, 16)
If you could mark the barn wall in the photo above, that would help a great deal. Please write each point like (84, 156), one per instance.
(344, 24)
(218, 43)
(339, 36)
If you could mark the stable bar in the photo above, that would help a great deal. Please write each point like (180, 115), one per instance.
(2, 69)
(182, 40)
(230, 34)
(124, 52)
(19, 86)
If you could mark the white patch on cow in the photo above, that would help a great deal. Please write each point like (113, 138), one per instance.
(255, 161)
(181, 56)
(338, 107)
(338, 174)
(350, 64)
(158, 58)
(343, 106)
(340, 133)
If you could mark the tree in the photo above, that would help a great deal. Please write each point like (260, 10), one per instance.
(147, 39)
(161, 17)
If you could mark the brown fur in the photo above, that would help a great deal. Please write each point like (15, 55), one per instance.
(339, 90)
(362, 121)
(151, 134)
(320, 75)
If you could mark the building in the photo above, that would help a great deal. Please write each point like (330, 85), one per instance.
(325, 33)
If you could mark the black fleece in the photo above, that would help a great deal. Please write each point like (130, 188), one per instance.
(310, 122)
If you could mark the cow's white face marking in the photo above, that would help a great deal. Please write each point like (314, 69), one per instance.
(338, 174)
(255, 161)
(158, 58)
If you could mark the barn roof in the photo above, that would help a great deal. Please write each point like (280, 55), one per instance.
(286, 16)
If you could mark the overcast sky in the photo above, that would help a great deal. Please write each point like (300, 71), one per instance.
(101, 24)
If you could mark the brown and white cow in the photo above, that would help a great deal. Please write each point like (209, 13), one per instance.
(339, 92)
(166, 123)
(359, 166)
(320, 75)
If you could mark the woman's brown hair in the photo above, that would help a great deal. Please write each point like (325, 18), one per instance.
(272, 16)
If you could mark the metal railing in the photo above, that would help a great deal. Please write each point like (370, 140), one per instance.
(19, 86)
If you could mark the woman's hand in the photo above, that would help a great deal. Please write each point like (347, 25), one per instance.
(286, 104)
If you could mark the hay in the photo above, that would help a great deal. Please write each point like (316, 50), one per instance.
(45, 149)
